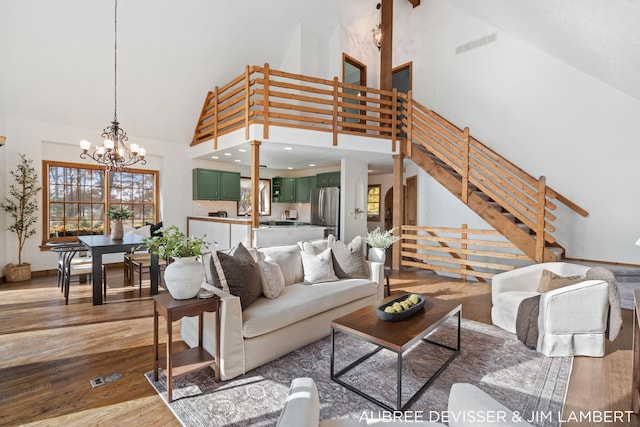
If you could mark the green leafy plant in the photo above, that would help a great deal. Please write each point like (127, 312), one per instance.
(171, 242)
(119, 213)
(381, 239)
(22, 204)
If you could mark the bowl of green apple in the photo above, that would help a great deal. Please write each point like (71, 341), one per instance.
(400, 308)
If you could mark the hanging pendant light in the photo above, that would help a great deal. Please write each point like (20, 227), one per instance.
(377, 30)
(113, 153)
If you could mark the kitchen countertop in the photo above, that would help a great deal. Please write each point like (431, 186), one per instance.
(221, 219)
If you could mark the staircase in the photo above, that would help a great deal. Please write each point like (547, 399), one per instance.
(516, 204)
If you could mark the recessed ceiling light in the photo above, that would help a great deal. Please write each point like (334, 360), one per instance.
(288, 148)
(237, 160)
(289, 168)
(215, 157)
(227, 154)
(242, 150)
(312, 164)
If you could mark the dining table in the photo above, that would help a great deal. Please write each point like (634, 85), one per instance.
(102, 244)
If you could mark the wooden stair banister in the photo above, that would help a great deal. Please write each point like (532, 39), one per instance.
(517, 204)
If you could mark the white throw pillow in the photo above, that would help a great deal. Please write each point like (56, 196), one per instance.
(272, 279)
(313, 246)
(318, 268)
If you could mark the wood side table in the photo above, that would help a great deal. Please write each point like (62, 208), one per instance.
(191, 359)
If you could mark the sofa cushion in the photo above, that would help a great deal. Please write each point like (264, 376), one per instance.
(348, 259)
(299, 301)
(237, 274)
(318, 268)
(288, 258)
(272, 279)
(550, 281)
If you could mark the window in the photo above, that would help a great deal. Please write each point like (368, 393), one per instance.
(264, 197)
(76, 197)
(373, 203)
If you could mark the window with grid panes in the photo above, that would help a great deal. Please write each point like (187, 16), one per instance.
(76, 197)
(373, 202)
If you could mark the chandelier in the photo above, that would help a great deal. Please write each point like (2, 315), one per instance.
(377, 30)
(113, 153)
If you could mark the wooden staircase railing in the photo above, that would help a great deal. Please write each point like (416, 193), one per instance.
(465, 251)
(505, 187)
(515, 203)
(275, 98)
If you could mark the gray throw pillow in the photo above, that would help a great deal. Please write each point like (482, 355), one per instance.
(237, 274)
(348, 260)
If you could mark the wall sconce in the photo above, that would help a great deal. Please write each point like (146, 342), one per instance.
(358, 213)
(377, 30)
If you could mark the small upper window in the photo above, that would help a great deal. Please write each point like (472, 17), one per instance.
(373, 202)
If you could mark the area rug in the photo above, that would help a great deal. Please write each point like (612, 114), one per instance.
(494, 360)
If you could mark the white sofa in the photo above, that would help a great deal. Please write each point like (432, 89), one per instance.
(467, 406)
(572, 320)
(270, 328)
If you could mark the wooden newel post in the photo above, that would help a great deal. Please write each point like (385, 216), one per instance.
(265, 102)
(336, 101)
(463, 252)
(465, 165)
(398, 206)
(409, 116)
(247, 101)
(540, 213)
(216, 121)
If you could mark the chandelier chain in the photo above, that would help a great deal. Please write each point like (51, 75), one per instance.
(115, 63)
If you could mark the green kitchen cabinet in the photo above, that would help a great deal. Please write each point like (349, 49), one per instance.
(229, 186)
(284, 190)
(328, 179)
(303, 188)
(211, 184)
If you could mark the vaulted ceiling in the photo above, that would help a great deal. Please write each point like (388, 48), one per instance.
(56, 58)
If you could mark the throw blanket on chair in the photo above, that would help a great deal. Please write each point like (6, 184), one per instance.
(527, 316)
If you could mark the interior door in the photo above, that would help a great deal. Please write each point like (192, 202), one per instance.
(354, 72)
(411, 201)
(401, 77)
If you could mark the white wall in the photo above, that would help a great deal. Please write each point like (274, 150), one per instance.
(353, 195)
(45, 141)
(544, 115)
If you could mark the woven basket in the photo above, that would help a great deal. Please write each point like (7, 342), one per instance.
(17, 272)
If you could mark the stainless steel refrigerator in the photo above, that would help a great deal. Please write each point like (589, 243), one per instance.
(325, 209)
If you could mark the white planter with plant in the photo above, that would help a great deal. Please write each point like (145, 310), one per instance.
(379, 241)
(22, 207)
(184, 275)
(117, 215)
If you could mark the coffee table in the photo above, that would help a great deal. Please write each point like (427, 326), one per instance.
(397, 337)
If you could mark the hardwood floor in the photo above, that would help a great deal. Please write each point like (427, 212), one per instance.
(49, 352)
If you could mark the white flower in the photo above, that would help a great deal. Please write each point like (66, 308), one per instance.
(381, 239)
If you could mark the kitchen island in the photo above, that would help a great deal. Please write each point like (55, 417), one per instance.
(274, 235)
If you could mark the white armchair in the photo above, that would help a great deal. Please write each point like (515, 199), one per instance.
(572, 320)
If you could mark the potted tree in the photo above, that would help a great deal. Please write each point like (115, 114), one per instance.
(22, 207)
(116, 215)
(183, 276)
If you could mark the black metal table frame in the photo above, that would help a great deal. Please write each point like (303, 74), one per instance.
(101, 245)
(335, 376)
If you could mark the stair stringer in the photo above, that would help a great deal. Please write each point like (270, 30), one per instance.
(509, 229)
